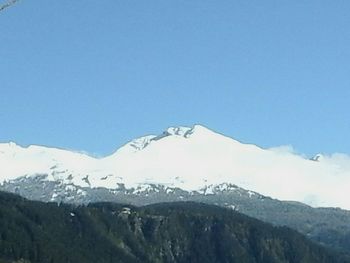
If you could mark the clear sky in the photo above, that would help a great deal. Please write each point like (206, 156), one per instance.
(91, 75)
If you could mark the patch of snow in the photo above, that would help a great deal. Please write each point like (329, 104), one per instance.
(232, 207)
(250, 193)
(170, 190)
(54, 196)
(81, 192)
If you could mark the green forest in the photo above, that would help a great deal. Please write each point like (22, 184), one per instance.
(37, 232)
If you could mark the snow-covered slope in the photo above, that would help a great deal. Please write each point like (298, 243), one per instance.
(192, 159)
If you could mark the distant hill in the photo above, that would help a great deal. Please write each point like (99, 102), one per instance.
(34, 232)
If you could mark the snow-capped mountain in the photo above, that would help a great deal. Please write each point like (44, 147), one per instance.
(189, 159)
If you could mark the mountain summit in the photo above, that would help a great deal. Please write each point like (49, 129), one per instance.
(188, 158)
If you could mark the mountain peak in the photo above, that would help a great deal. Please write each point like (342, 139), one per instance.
(186, 132)
(141, 143)
(179, 131)
(188, 158)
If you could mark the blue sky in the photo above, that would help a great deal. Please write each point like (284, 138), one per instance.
(91, 75)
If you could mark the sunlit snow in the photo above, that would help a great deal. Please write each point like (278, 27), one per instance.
(191, 159)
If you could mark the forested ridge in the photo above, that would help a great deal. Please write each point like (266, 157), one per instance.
(40, 232)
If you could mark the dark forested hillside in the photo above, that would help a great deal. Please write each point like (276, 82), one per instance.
(169, 232)
(326, 226)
